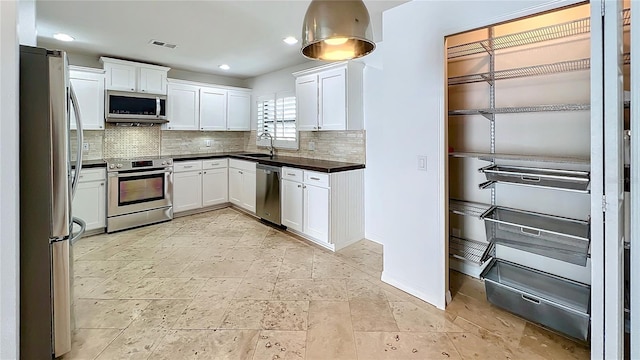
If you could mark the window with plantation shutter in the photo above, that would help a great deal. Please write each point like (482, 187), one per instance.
(277, 117)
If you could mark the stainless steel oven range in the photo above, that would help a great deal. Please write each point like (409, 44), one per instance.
(139, 192)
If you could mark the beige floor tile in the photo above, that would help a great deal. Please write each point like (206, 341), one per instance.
(255, 288)
(310, 289)
(83, 285)
(333, 268)
(110, 289)
(268, 315)
(185, 254)
(229, 233)
(134, 271)
(133, 343)
(207, 344)
(176, 288)
(265, 268)
(212, 253)
(154, 253)
(271, 254)
(218, 289)
(281, 345)
(466, 285)
(477, 313)
(88, 343)
(79, 250)
(242, 254)
(550, 345)
(330, 334)
(203, 314)
(166, 268)
(103, 253)
(410, 317)
(403, 345)
(251, 239)
(372, 315)
(183, 240)
(150, 241)
(221, 268)
(362, 289)
(472, 346)
(161, 313)
(296, 270)
(97, 268)
(107, 314)
(219, 241)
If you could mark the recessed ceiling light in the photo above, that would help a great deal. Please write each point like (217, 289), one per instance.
(290, 40)
(224, 67)
(63, 37)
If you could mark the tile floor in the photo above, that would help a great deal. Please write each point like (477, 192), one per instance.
(221, 285)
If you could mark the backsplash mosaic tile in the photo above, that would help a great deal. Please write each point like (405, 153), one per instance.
(95, 139)
(127, 141)
(194, 142)
(347, 146)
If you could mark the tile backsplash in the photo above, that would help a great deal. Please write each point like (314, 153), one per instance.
(347, 146)
(124, 142)
(194, 142)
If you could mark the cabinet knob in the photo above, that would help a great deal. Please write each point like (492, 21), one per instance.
(240, 172)
(132, 89)
(319, 127)
(101, 184)
(205, 173)
(299, 185)
(199, 173)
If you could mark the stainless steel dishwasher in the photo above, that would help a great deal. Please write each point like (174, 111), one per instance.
(268, 193)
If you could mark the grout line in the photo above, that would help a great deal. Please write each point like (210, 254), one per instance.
(109, 344)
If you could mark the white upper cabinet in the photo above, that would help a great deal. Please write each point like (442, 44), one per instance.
(330, 97)
(218, 108)
(183, 102)
(125, 75)
(239, 110)
(88, 85)
(213, 109)
(307, 102)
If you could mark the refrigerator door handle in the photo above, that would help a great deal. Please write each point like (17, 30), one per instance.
(80, 139)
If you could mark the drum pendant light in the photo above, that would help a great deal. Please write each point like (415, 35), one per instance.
(336, 30)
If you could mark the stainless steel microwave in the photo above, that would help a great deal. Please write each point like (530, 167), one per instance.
(121, 106)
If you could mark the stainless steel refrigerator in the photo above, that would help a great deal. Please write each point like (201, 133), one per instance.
(46, 193)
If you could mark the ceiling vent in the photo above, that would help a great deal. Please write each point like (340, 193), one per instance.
(162, 43)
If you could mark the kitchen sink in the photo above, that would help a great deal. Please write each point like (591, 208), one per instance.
(258, 155)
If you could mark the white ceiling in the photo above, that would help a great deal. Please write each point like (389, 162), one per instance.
(247, 35)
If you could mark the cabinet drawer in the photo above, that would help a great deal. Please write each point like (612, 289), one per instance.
(316, 178)
(242, 165)
(183, 166)
(87, 175)
(214, 164)
(292, 174)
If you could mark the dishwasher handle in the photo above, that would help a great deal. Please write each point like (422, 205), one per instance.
(268, 169)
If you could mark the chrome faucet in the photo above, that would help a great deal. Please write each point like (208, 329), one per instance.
(266, 134)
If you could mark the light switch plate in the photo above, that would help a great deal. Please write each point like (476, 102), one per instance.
(312, 146)
(207, 143)
(85, 146)
(422, 162)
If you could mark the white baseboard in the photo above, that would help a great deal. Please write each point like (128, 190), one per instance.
(408, 289)
(374, 237)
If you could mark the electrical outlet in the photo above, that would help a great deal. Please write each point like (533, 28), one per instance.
(207, 143)
(85, 146)
(312, 146)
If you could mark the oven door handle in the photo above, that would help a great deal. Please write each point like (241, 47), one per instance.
(128, 174)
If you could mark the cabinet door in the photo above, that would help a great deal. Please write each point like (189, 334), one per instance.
(187, 191)
(291, 196)
(333, 100)
(120, 77)
(316, 212)
(152, 81)
(215, 187)
(213, 109)
(89, 89)
(249, 191)
(182, 107)
(235, 186)
(239, 111)
(89, 204)
(307, 102)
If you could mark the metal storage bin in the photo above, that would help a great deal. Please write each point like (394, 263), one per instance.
(570, 180)
(552, 236)
(558, 303)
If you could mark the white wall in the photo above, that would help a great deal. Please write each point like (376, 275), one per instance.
(27, 22)
(413, 223)
(9, 262)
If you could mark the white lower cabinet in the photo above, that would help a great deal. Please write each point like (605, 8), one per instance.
(198, 184)
(215, 182)
(187, 191)
(242, 184)
(325, 208)
(292, 199)
(89, 203)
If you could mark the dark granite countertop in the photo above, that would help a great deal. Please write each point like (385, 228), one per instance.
(301, 163)
(88, 164)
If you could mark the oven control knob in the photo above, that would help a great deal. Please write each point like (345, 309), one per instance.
(164, 163)
(112, 166)
(119, 166)
(168, 162)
